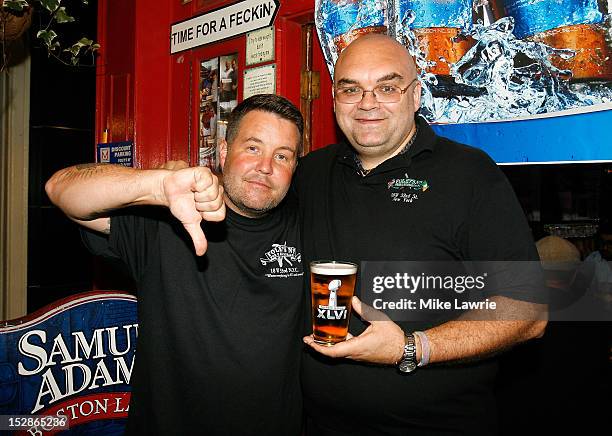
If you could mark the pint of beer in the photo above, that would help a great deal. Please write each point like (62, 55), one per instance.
(332, 285)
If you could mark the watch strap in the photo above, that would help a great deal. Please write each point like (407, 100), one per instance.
(408, 362)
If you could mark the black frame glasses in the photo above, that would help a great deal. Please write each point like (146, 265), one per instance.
(356, 97)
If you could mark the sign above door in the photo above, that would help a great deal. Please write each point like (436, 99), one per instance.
(222, 23)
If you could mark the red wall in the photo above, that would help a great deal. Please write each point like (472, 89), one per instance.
(115, 71)
(150, 96)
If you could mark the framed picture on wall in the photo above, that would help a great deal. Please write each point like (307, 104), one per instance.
(228, 85)
(207, 119)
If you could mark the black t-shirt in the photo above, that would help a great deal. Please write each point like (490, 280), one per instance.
(219, 336)
(463, 209)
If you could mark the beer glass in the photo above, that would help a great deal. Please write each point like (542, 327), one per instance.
(332, 285)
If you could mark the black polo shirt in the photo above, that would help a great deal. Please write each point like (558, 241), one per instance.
(463, 209)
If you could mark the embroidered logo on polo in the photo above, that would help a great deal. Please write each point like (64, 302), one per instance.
(405, 189)
(283, 260)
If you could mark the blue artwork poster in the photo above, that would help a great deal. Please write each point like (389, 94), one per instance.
(572, 138)
(528, 82)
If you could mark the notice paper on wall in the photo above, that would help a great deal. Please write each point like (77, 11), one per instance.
(260, 46)
(260, 80)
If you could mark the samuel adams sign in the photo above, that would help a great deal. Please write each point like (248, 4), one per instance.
(71, 360)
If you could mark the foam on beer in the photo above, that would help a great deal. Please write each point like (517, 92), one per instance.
(334, 269)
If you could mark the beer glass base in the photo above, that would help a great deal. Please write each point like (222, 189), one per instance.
(327, 343)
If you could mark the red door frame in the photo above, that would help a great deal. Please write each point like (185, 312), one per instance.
(158, 100)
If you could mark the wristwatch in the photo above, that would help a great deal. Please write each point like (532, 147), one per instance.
(408, 362)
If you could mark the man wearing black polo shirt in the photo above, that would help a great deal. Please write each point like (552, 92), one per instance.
(464, 210)
(219, 335)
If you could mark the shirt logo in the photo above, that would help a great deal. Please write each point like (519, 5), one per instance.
(408, 183)
(405, 189)
(284, 261)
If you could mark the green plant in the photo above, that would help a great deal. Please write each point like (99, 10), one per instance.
(53, 13)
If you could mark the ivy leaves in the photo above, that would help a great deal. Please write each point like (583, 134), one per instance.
(80, 48)
(50, 5)
(57, 14)
(15, 5)
(48, 37)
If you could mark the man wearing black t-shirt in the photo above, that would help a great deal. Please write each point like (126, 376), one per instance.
(219, 334)
(456, 205)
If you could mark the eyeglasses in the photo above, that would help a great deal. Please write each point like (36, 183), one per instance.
(382, 93)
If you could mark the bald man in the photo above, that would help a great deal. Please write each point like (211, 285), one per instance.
(397, 191)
